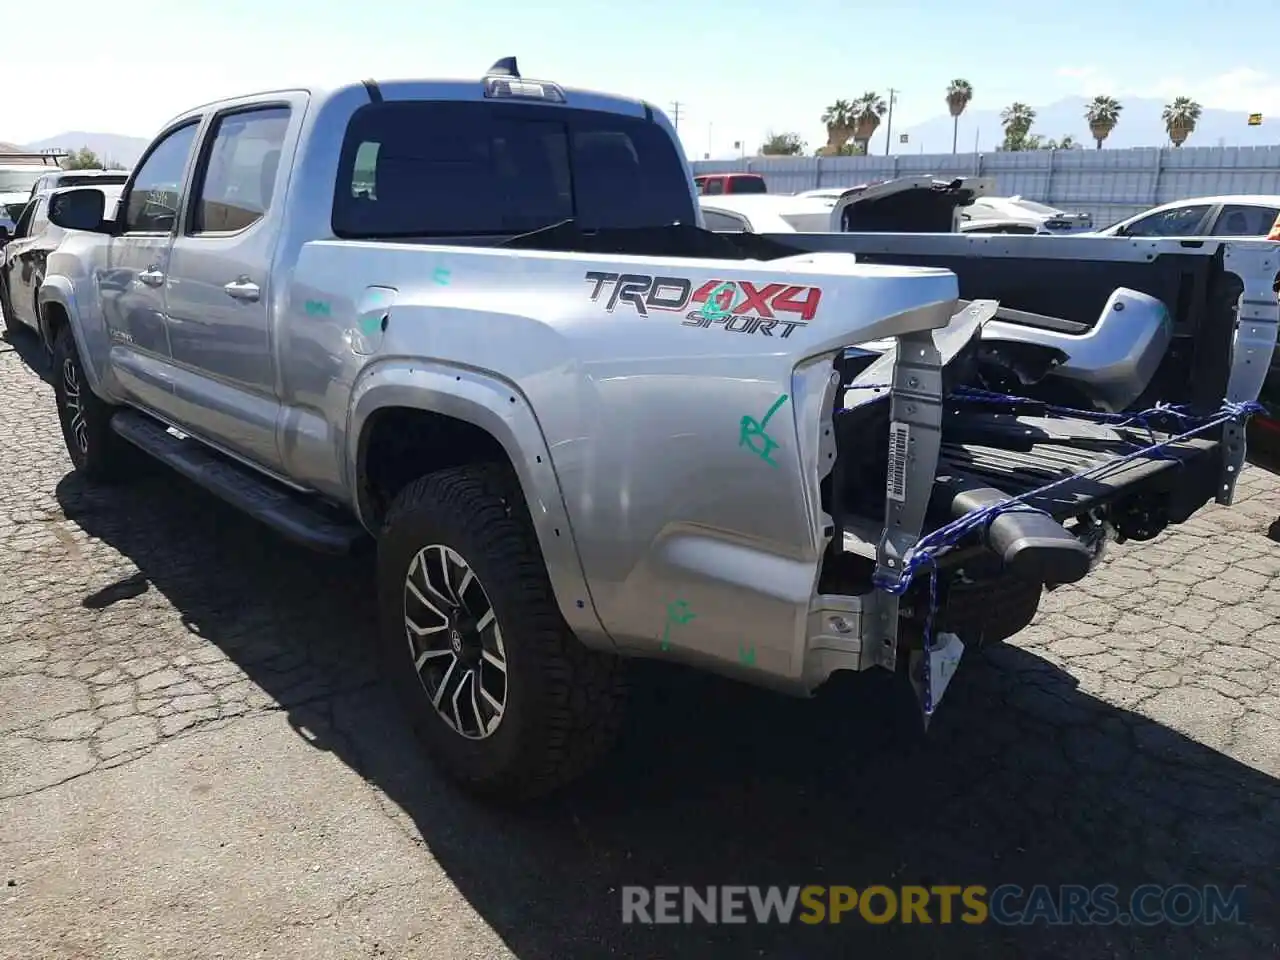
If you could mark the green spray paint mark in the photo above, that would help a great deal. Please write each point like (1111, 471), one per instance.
(747, 655)
(678, 612)
(441, 276)
(751, 431)
(317, 308)
(712, 310)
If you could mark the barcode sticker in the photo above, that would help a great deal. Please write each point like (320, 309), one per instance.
(899, 442)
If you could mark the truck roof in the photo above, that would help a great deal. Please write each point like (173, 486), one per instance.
(454, 89)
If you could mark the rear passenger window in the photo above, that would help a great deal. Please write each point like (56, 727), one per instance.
(1241, 220)
(432, 168)
(723, 222)
(238, 178)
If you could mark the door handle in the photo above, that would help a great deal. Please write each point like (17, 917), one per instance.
(152, 277)
(243, 289)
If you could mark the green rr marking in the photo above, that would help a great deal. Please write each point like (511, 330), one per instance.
(678, 612)
(749, 430)
(712, 310)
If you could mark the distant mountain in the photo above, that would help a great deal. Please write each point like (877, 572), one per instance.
(1140, 126)
(110, 147)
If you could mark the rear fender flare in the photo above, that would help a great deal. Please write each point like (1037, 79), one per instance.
(500, 409)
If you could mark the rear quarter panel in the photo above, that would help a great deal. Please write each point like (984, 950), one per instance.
(625, 419)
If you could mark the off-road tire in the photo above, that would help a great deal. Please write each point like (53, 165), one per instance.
(564, 702)
(96, 451)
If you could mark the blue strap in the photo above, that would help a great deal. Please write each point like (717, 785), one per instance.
(933, 545)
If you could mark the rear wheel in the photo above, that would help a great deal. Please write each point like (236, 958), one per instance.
(506, 699)
(95, 450)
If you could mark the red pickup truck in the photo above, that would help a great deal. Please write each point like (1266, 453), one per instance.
(715, 184)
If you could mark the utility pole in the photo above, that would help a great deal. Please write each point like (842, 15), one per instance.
(675, 113)
(888, 127)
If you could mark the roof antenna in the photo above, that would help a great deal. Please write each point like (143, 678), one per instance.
(506, 67)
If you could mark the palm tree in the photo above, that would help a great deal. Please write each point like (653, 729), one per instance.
(959, 93)
(1016, 119)
(838, 119)
(1180, 119)
(867, 111)
(1102, 113)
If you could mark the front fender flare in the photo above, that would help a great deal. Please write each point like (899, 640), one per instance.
(500, 409)
(91, 341)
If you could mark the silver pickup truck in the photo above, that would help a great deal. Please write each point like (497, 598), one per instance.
(479, 324)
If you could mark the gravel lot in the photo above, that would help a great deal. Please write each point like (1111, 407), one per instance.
(196, 760)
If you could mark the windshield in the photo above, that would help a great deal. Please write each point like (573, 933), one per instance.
(20, 181)
(434, 168)
(12, 211)
(1037, 207)
(748, 185)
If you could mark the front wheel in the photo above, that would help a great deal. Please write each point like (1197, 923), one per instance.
(6, 309)
(506, 699)
(95, 449)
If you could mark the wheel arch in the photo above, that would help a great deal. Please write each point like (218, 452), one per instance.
(58, 308)
(410, 419)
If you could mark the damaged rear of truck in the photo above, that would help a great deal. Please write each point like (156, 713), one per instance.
(964, 456)
(480, 323)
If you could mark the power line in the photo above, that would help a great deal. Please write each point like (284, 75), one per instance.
(675, 113)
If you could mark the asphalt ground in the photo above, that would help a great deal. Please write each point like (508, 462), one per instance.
(197, 760)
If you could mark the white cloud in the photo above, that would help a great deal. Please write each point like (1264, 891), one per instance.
(1243, 89)
(1087, 81)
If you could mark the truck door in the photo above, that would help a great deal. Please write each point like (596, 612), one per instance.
(131, 288)
(218, 304)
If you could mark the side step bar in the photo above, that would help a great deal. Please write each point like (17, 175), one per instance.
(308, 524)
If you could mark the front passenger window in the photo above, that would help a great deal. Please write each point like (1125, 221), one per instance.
(1179, 222)
(153, 198)
(39, 219)
(23, 226)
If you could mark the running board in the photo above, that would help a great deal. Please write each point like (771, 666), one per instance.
(309, 524)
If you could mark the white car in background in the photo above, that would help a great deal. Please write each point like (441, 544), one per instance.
(11, 207)
(57, 179)
(1020, 215)
(1236, 215)
(768, 213)
(16, 181)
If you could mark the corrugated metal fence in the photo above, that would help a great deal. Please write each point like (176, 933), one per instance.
(1109, 184)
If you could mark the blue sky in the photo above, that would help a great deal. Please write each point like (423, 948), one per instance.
(738, 69)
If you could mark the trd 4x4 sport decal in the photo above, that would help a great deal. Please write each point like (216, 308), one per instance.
(739, 305)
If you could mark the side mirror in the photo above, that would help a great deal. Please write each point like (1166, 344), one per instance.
(81, 209)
